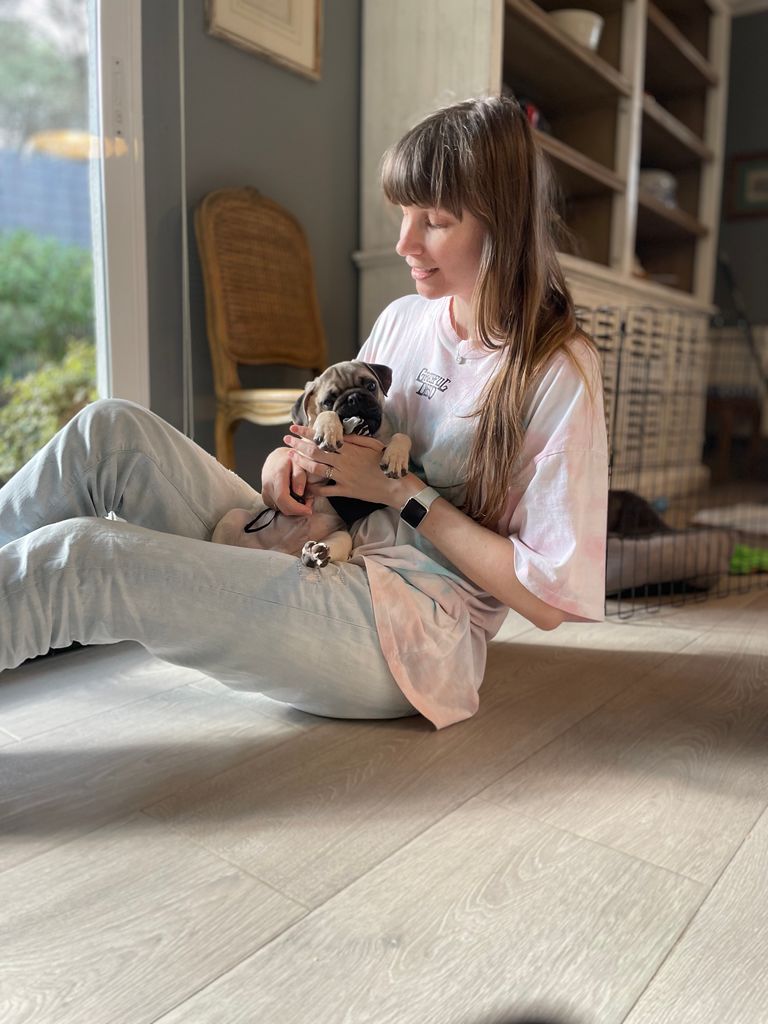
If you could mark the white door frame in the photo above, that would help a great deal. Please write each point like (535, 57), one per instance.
(117, 201)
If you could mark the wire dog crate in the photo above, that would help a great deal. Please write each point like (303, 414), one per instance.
(686, 409)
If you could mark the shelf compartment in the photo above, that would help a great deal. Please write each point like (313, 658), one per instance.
(692, 18)
(591, 132)
(588, 220)
(667, 142)
(673, 65)
(612, 13)
(578, 175)
(655, 221)
(670, 263)
(685, 8)
(553, 69)
(603, 7)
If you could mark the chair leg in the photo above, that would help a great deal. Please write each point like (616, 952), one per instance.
(224, 430)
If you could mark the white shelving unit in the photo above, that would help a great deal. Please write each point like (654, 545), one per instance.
(653, 95)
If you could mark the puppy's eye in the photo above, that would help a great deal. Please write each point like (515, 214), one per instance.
(371, 385)
(328, 403)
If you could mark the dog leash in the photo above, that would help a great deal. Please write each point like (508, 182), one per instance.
(253, 528)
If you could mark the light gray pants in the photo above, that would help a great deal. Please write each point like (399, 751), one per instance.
(255, 620)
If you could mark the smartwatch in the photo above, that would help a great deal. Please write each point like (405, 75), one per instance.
(416, 508)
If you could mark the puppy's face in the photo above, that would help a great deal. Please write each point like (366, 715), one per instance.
(349, 389)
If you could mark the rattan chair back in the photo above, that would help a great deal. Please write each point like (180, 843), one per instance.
(260, 302)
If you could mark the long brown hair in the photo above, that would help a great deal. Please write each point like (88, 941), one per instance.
(481, 155)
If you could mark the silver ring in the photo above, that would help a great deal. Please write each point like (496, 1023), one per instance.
(329, 473)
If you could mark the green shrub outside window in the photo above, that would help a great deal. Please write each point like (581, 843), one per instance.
(47, 358)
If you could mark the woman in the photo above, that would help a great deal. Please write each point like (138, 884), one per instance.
(501, 396)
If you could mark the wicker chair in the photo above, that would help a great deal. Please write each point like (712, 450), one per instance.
(260, 303)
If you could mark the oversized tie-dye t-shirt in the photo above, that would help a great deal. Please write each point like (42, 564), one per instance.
(433, 622)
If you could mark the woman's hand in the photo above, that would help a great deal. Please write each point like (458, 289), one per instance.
(279, 476)
(484, 556)
(356, 469)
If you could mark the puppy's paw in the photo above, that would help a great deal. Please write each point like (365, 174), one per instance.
(326, 443)
(315, 554)
(393, 468)
(394, 458)
(329, 432)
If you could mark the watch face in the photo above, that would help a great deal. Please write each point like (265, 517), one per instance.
(413, 512)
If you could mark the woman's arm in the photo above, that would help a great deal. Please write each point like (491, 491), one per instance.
(485, 557)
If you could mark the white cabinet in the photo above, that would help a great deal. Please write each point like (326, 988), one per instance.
(652, 96)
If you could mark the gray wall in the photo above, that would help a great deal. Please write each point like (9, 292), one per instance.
(248, 121)
(746, 241)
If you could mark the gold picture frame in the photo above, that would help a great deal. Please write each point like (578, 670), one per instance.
(747, 190)
(287, 32)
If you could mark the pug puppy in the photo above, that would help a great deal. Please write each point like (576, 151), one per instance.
(347, 398)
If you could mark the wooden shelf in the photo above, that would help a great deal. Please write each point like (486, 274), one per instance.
(667, 142)
(650, 96)
(673, 65)
(693, 19)
(559, 72)
(655, 221)
(578, 175)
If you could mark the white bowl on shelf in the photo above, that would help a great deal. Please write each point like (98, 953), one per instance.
(660, 184)
(584, 27)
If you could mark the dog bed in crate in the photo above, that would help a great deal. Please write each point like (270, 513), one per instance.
(694, 557)
(751, 521)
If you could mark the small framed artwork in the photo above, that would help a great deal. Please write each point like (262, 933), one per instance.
(287, 32)
(748, 186)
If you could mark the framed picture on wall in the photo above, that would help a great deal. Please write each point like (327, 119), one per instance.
(288, 32)
(748, 185)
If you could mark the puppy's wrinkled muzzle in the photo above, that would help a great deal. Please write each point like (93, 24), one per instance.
(361, 404)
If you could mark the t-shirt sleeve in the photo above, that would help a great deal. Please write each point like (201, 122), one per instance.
(557, 510)
(400, 319)
(366, 351)
(559, 535)
(375, 348)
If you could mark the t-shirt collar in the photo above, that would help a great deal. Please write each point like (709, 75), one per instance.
(461, 349)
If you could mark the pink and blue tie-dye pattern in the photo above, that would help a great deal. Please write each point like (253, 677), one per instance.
(433, 622)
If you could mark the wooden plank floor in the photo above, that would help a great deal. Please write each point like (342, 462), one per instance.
(593, 845)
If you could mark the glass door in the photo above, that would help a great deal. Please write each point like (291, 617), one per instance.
(73, 318)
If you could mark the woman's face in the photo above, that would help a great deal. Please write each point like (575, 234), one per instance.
(442, 252)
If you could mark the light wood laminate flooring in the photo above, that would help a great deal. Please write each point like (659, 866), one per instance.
(591, 846)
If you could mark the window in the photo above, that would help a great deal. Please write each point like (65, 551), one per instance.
(72, 247)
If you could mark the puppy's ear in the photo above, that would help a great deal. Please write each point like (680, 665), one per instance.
(383, 375)
(299, 412)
